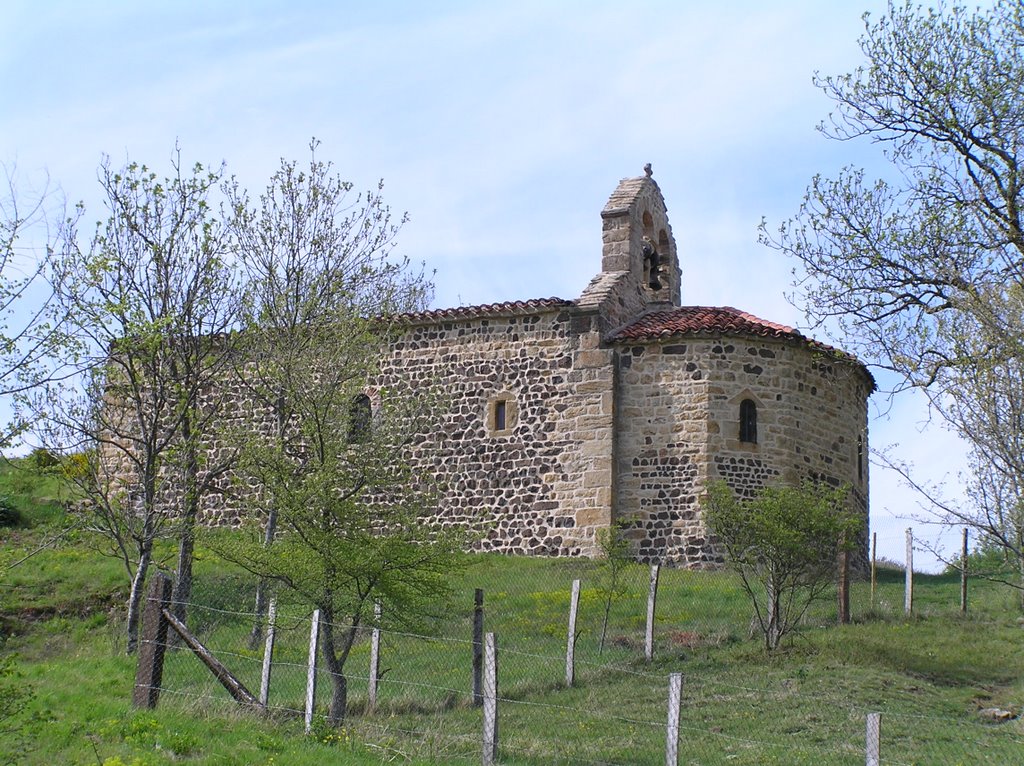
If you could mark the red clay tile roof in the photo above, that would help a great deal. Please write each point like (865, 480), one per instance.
(488, 309)
(701, 320)
(704, 321)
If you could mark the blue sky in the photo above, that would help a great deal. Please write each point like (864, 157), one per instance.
(500, 127)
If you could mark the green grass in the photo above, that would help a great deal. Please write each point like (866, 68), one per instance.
(37, 495)
(929, 674)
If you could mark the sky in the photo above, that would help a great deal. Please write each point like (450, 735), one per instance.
(501, 128)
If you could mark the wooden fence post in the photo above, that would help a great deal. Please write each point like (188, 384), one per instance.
(374, 658)
(872, 748)
(675, 695)
(570, 647)
(478, 646)
(490, 750)
(652, 595)
(234, 687)
(314, 643)
(268, 653)
(908, 582)
(150, 671)
(963, 575)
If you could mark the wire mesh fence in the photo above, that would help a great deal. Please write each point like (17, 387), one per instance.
(594, 697)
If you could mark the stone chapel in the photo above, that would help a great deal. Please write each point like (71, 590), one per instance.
(567, 415)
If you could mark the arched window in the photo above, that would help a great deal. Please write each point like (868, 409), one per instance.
(359, 415)
(748, 421)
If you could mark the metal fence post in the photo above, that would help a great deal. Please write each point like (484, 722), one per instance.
(963, 575)
(873, 740)
(652, 595)
(908, 583)
(490, 749)
(374, 658)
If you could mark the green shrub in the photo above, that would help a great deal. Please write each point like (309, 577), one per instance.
(42, 458)
(76, 466)
(10, 516)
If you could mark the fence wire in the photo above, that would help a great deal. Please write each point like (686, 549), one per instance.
(615, 712)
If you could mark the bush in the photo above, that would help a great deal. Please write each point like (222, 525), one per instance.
(10, 516)
(76, 466)
(783, 543)
(42, 458)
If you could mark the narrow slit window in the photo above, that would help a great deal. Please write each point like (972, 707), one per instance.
(500, 414)
(860, 458)
(748, 421)
(360, 414)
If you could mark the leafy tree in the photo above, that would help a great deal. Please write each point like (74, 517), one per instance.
(149, 300)
(783, 543)
(317, 265)
(341, 502)
(921, 272)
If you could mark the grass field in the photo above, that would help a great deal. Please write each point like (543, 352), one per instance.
(928, 675)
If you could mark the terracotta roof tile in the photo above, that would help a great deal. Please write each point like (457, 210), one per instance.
(488, 309)
(704, 321)
(701, 320)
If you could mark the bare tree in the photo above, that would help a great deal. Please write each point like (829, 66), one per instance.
(31, 323)
(920, 272)
(884, 260)
(981, 402)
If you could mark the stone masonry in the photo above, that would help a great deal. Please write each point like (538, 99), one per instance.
(623, 405)
(563, 416)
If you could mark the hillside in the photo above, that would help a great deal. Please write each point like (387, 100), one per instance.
(931, 676)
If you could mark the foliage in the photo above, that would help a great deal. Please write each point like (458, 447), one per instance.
(614, 559)
(922, 272)
(15, 697)
(42, 458)
(318, 267)
(36, 497)
(342, 501)
(75, 467)
(10, 516)
(143, 296)
(783, 542)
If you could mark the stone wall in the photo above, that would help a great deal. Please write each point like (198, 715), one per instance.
(679, 427)
(662, 430)
(542, 485)
(560, 417)
(623, 289)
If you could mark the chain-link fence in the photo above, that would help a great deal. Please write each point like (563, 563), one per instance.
(604, 696)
